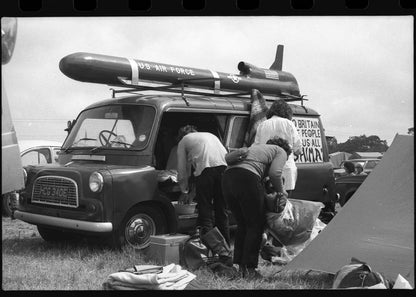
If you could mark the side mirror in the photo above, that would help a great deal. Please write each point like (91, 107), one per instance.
(69, 126)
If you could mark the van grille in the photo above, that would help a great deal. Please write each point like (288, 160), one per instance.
(55, 190)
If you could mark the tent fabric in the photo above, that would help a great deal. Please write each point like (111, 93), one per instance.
(363, 155)
(337, 157)
(376, 225)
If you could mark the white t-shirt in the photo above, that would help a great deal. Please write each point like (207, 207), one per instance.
(283, 128)
(201, 150)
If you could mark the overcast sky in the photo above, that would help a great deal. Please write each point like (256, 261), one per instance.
(357, 72)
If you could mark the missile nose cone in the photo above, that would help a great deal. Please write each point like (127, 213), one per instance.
(74, 65)
(95, 68)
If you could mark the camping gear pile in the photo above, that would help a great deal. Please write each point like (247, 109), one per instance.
(291, 225)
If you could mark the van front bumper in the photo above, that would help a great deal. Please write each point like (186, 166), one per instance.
(36, 219)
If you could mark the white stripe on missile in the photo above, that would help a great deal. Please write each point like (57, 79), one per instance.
(216, 82)
(134, 72)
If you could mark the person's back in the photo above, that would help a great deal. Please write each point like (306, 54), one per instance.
(205, 153)
(285, 129)
(277, 125)
(244, 192)
(259, 157)
(203, 149)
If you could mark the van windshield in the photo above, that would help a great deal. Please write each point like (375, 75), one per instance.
(112, 127)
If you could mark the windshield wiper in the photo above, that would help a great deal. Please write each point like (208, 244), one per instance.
(67, 150)
(121, 142)
(96, 149)
(85, 138)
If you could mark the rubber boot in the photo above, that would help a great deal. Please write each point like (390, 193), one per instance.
(215, 241)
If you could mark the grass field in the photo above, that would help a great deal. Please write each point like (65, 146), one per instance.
(30, 263)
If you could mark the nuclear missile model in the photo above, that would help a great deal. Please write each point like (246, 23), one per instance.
(118, 71)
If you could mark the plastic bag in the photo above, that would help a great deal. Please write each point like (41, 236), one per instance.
(285, 254)
(295, 223)
(274, 202)
(294, 228)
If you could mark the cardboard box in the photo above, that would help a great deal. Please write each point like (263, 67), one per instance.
(166, 249)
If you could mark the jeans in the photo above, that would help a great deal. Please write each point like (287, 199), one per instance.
(211, 200)
(244, 194)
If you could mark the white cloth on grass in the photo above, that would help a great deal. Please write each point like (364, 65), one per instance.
(173, 277)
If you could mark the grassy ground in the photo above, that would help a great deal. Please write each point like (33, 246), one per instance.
(29, 263)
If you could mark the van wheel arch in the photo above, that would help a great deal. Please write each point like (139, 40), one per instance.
(140, 222)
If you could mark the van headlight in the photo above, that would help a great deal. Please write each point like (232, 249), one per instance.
(96, 182)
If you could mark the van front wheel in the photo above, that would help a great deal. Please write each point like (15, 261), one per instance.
(139, 224)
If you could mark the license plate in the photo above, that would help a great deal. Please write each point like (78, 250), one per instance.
(53, 191)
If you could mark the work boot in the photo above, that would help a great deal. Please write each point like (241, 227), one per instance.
(226, 260)
(242, 270)
(215, 241)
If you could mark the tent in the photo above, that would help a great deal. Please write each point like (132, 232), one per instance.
(376, 225)
(337, 157)
(365, 155)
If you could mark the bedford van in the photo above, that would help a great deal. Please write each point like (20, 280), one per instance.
(114, 173)
(114, 189)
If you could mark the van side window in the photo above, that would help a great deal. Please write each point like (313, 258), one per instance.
(237, 131)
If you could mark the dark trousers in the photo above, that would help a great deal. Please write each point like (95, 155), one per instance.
(244, 194)
(211, 200)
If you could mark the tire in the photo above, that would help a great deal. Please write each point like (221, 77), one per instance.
(138, 225)
(6, 209)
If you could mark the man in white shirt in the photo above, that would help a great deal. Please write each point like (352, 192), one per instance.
(279, 124)
(205, 153)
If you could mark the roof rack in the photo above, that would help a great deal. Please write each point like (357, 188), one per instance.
(185, 87)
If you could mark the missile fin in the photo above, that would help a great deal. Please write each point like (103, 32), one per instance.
(278, 62)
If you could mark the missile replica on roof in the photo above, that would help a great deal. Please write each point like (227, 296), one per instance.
(118, 71)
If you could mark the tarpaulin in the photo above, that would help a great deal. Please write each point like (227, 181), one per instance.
(376, 225)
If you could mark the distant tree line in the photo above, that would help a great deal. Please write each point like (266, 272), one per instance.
(361, 143)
